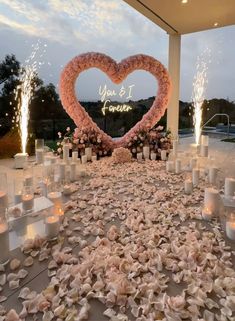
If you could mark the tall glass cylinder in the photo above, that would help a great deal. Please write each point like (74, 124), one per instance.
(27, 199)
(28, 176)
(4, 237)
(3, 190)
(39, 150)
(18, 188)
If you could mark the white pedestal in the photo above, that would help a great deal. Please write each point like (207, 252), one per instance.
(20, 160)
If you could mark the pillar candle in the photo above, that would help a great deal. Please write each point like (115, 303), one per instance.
(195, 176)
(175, 147)
(188, 186)
(28, 202)
(66, 148)
(229, 187)
(74, 156)
(153, 156)
(212, 200)
(207, 214)
(205, 140)
(52, 226)
(213, 173)
(204, 151)
(84, 159)
(170, 166)
(94, 158)
(28, 180)
(4, 243)
(73, 172)
(146, 152)
(163, 155)
(39, 155)
(193, 163)
(88, 153)
(62, 168)
(177, 166)
(139, 156)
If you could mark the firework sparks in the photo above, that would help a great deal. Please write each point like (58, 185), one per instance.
(24, 94)
(199, 86)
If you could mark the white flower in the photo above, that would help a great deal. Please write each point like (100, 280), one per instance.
(68, 129)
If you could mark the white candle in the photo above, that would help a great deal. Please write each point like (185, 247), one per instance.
(94, 158)
(170, 166)
(230, 230)
(146, 152)
(139, 156)
(205, 140)
(88, 153)
(207, 214)
(4, 243)
(195, 176)
(153, 156)
(27, 202)
(39, 155)
(178, 166)
(62, 168)
(66, 148)
(28, 180)
(188, 186)
(175, 147)
(163, 155)
(3, 199)
(18, 198)
(193, 163)
(67, 190)
(212, 200)
(204, 151)
(229, 187)
(74, 156)
(73, 173)
(52, 226)
(213, 173)
(84, 159)
(55, 197)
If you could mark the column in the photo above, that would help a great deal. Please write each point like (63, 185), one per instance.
(174, 70)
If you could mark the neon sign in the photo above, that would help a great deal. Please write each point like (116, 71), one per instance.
(105, 93)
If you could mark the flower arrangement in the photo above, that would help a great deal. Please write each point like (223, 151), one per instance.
(121, 155)
(117, 72)
(81, 138)
(155, 138)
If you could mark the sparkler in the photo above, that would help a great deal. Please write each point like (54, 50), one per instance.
(24, 94)
(199, 86)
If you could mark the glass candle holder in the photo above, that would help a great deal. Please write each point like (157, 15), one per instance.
(4, 236)
(18, 188)
(28, 175)
(3, 190)
(39, 150)
(230, 226)
(52, 226)
(27, 199)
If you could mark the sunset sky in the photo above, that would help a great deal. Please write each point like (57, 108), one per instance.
(71, 27)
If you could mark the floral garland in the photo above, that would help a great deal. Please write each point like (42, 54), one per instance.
(117, 72)
(155, 138)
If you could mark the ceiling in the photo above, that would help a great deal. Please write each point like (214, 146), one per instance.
(176, 17)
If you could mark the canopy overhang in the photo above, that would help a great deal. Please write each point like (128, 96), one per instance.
(187, 16)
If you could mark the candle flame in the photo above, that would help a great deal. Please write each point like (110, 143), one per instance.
(199, 86)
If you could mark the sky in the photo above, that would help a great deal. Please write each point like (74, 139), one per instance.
(66, 28)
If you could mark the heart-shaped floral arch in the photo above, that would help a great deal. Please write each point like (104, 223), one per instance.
(117, 72)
